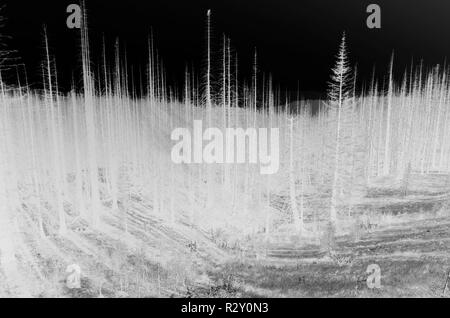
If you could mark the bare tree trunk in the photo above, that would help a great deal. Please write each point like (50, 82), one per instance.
(295, 213)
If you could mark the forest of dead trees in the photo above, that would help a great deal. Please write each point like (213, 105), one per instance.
(66, 157)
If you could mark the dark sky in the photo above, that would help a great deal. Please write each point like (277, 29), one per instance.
(296, 39)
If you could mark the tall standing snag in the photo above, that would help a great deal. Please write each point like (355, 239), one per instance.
(338, 94)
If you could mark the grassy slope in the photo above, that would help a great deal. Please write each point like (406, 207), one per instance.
(154, 258)
(410, 243)
(414, 259)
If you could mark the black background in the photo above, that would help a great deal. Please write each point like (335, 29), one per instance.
(296, 40)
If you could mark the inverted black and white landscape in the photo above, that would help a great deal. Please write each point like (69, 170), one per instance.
(92, 204)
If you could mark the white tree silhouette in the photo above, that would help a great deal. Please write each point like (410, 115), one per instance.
(338, 93)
